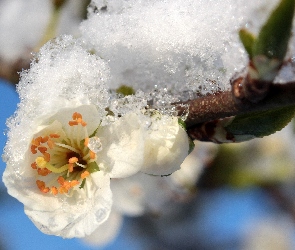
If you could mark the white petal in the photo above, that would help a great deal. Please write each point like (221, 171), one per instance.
(123, 147)
(106, 232)
(142, 193)
(129, 195)
(75, 216)
(166, 147)
(89, 113)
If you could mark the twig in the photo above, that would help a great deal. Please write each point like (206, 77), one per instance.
(224, 104)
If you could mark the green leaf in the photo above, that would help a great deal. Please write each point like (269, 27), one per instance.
(125, 90)
(83, 183)
(263, 123)
(274, 36)
(92, 167)
(248, 39)
(181, 123)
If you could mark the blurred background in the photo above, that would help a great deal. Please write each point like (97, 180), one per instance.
(241, 196)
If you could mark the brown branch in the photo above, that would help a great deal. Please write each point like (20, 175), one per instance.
(224, 104)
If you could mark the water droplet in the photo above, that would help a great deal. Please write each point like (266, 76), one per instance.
(94, 144)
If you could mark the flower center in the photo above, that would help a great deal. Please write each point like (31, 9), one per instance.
(64, 162)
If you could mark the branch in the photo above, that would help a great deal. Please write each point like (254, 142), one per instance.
(224, 104)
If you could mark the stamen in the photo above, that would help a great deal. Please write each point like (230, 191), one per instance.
(68, 147)
(46, 156)
(42, 149)
(86, 142)
(33, 149)
(71, 167)
(76, 116)
(44, 139)
(34, 165)
(80, 165)
(73, 123)
(37, 141)
(74, 183)
(73, 160)
(77, 119)
(41, 186)
(62, 190)
(85, 174)
(54, 135)
(42, 163)
(60, 180)
(54, 190)
(65, 186)
(92, 155)
(43, 171)
(50, 144)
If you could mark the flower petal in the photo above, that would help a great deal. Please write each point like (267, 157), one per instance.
(123, 147)
(106, 232)
(76, 216)
(89, 113)
(166, 147)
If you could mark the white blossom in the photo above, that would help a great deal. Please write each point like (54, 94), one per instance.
(63, 147)
(166, 146)
(50, 168)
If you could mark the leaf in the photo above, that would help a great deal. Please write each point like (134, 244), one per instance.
(274, 36)
(83, 183)
(248, 39)
(125, 90)
(261, 123)
(92, 167)
(181, 123)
